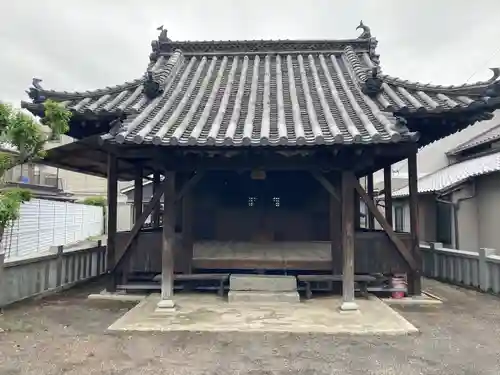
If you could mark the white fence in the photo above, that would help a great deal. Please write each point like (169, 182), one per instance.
(479, 269)
(44, 223)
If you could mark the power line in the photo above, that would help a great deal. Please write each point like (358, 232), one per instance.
(484, 65)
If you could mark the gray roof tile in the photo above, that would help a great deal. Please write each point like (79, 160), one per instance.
(488, 136)
(454, 175)
(264, 93)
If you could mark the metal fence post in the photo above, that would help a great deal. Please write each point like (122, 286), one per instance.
(484, 271)
(59, 268)
(2, 287)
(435, 258)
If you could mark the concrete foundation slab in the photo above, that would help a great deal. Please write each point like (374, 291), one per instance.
(265, 283)
(262, 297)
(116, 297)
(421, 300)
(197, 312)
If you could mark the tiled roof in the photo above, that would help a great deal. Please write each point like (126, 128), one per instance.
(264, 93)
(488, 136)
(454, 174)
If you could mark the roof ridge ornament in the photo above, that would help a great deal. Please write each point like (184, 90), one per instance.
(151, 88)
(366, 34)
(35, 92)
(373, 84)
(163, 37)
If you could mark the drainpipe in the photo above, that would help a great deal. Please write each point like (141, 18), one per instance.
(455, 206)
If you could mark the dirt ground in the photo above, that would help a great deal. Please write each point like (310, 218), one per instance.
(65, 334)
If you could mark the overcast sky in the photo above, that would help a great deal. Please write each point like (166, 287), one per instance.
(88, 44)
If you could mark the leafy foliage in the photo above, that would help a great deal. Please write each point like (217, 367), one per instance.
(27, 136)
(10, 203)
(95, 201)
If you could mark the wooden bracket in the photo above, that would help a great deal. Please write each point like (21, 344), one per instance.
(326, 184)
(400, 246)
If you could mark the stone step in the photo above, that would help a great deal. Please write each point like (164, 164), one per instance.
(262, 297)
(263, 283)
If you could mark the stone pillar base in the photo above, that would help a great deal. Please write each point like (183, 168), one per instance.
(349, 306)
(165, 306)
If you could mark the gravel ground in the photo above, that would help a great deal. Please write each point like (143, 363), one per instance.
(65, 334)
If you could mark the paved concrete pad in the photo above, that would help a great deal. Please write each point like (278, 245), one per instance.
(422, 300)
(248, 296)
(197, 312)
(267, 283)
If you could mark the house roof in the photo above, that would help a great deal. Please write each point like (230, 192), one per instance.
(276, 92)
(454, 174)
(488, 136)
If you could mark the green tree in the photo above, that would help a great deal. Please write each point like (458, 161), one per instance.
(95, 201)
(22, 132)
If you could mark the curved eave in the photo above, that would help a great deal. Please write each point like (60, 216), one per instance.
(471, 89)
(38, 110)
(482, 107)
(76, 95)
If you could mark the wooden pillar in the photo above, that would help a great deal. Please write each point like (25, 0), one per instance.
(370, 218)
(168, 239)
(138, 202)
(357, 211)
(348, 215)
(414, 279)
(157, 209)
(112, 220)
(335, 228)
(187, 232)
(388, 194)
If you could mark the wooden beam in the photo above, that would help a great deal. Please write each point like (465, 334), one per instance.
(348, 303)
(157, 208)
(138, 198)
(357, 210)
(335, 231)
(326, 184)
(168, 238)
(189, 184)
(370, 217)
(138, 225)
(388, 194)
(400, 246)
(415, 277)
(187, 232)
(112, 221)
(155, 200)
(138, 195)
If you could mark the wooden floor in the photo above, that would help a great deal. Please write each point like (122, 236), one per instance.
(270, 255)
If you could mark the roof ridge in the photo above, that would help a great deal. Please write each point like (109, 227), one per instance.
(37, 93)
(466, 87)
(460, 146)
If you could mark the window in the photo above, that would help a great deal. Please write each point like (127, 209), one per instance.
(444, 222)
(276, 201)
(399, 219)
(252, 201)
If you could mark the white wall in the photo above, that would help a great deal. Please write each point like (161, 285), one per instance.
(45, 223)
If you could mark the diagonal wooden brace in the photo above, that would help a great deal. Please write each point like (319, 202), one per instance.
(155, 200)
(400, 246)
(326, 184)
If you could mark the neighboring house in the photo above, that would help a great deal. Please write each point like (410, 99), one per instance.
(147, 193)
(433, 156)
(459, 204)
(49, 182)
